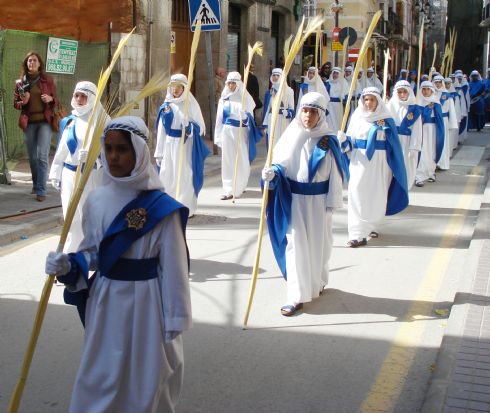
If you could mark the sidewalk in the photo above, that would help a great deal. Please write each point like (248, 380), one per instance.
(21, 216)
(461, 379)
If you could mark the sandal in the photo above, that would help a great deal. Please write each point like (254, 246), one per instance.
(354, 243)
(288, 310)
(373, 234)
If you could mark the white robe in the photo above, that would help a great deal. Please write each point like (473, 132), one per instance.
(309, 235)
(168, 149)
(282, 122)
(67, 177)
(411, 144)
(368, 184)
(450, 123)
(338, 89)
(373, 81)
(427, 165)
(145, 374)
(230, 141)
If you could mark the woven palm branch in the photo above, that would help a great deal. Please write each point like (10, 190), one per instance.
(385, 73)
(432, 68)
(421, 46)
(294, 49)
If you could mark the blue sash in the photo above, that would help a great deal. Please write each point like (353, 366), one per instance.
(154, 206)
(254, 135)
(278, 210)
(74, 167)
(335, 100)
(438, 120)
(72, 146)
(413, 112)
(398, 190)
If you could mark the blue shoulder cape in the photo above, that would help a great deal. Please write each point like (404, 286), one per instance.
(71, 140)
(121, 234)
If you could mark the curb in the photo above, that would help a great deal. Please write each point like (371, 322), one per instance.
(441, 378)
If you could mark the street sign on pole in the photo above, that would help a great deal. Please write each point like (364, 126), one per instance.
(336, 45)
(208, 12)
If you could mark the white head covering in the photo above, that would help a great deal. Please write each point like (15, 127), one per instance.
(475, 73)
(144, 175)
(88, 89)
(434, 98)
(295, 135)
(403, 84)
(194, 110)
(381, 111)
(451, 88)
(338, 70)
(276, 71)
(236, 78)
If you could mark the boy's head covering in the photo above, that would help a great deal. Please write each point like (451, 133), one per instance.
(144, 175)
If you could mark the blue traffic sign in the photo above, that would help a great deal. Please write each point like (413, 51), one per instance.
(206, 11)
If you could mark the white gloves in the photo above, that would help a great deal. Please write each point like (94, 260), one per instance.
(82, 155)
(158, 161)
(57, 263)
(56, 183)
(243, 114)
(268, 174)
(185, 121)
(341, 136)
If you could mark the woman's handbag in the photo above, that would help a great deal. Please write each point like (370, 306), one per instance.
(59, 112)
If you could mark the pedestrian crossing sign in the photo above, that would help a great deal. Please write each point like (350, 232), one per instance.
(208, 12)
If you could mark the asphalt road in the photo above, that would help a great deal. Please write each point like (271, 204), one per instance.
(369, 344)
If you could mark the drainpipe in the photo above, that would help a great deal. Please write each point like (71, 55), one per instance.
(149, 15)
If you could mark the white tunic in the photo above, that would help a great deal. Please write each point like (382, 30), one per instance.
(168, 149)
(233, 142)
(338, 90)
(282, 122)
(427, 165)
(126, 365)
(411, 144)
(309, 235)
(368, 184)
(450, 123)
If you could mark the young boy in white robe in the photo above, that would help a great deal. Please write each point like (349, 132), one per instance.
(286, 111)
(312, 82)
(406, 114)
(373, 81)
(305, 183)
(432, 134)
(170, 121)
(450, 121)
(70, 153)
(231, 140)
(378, 179)
(338, 90)
(138, 299)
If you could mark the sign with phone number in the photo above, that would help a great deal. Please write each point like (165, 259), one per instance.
(61, 56)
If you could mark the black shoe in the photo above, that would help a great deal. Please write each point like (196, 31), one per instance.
(226, 197)
(419, 184)
(373, 234)
(431, 179)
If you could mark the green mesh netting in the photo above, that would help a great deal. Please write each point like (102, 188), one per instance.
(14, 44)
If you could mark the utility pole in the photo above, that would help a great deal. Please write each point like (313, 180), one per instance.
(336, 56)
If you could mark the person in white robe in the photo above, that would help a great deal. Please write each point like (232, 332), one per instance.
(454, 133)
(312, 82)
(378, 179)
(286, 109)
(373, 81)
(70, 153)
(462, 87)
(407, 116)
(432, 134)
(305, 186)
(232, 142)
(139, 299)
(450, 120)
(170, 121)
(338, 90)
